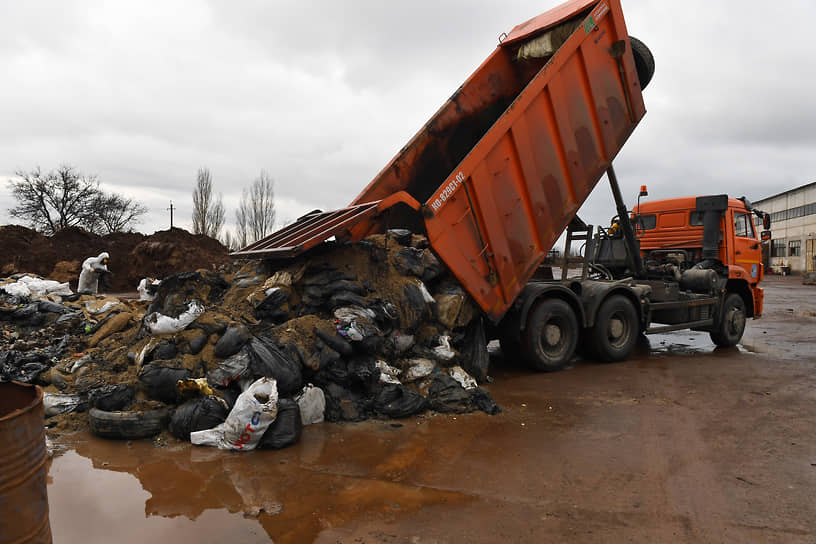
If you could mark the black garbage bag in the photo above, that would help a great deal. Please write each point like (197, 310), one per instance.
(28, 315)
(174, 292)
(335, 342)
(402, 236)
(159, 381)
(230, 395)
(111, 398)
(268, 360)
(24, 367)
(473, 354)
(482, 400)
(363, 373)
(232, 341)
(334, 370)
(53, 307)
(344, 405)
(323, 275)
(413, 308)
(198, 343)
(275, 307)
(164, 351)
(230, 369)
(446, 395)
(197, 414)
(345, 298)
(396, 401)
(286, 429)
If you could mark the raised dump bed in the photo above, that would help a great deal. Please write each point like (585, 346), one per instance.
(495, 176)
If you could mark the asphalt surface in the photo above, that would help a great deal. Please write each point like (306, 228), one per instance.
(682, 443)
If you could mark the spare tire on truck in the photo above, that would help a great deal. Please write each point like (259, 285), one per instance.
(644, 61)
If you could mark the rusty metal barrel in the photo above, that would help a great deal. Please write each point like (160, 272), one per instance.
(23, 471)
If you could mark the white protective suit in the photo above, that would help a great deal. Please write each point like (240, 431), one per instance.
(89, 277)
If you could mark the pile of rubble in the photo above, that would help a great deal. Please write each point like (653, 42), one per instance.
(245, 355)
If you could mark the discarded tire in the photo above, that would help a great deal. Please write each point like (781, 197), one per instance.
(128, 425)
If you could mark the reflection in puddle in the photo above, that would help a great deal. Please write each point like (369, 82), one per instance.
(685, 342)
(337, 473)
(88, 505)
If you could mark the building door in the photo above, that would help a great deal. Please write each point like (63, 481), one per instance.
(746, 253)
(810, 256)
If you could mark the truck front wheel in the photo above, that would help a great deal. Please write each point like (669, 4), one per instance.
(732, 322)
(549, 340)
(615, 332)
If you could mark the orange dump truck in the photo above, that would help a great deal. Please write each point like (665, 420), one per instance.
(498, 173)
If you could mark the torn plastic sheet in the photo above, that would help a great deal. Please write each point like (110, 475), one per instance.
(465, 380)
(157, 323)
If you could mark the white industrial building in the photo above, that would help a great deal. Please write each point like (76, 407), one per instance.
(793, 229)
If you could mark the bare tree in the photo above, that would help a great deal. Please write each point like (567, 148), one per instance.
(208, 213)
(242, 223)
(228, 240)
(255, 216)
(115, 213)
(55, 200)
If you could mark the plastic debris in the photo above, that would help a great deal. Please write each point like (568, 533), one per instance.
(253, 413)
(157, 323)
(312, 403)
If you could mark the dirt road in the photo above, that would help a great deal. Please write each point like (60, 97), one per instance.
(683, 443)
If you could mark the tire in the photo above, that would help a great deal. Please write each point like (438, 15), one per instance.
(731, 322)
(644, 61)
(548, 342)
(127, 425)
(616, 329)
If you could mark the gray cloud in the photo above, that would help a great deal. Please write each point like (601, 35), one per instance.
(323, 94)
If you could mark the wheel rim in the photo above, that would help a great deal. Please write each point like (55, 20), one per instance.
(735, 322)
(553, 341)
(618, 330)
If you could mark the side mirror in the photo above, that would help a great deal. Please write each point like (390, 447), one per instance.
(766, 222)
(765, 235)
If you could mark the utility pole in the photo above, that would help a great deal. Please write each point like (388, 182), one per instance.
(171, 208)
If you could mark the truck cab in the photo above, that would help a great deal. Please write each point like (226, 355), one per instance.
(671, 232)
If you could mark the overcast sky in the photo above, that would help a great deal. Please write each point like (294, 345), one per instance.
(323, 94)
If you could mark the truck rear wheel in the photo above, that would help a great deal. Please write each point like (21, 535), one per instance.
(549, 340)
(615, 332)
(732, 322)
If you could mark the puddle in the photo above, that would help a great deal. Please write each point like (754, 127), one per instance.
(91, 505)
(336, 474)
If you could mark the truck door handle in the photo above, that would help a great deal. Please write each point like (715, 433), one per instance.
(738, 252)
(754, 246)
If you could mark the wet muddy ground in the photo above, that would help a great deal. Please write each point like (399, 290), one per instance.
(683, 443)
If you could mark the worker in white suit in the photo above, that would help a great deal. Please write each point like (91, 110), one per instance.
(92, 268)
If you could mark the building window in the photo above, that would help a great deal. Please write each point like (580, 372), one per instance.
(778, 248)
(795, 247)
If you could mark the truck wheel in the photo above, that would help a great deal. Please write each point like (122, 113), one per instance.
(615, 332)
(644, 61)
(549, 340)
(732, 323)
